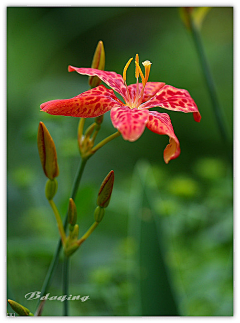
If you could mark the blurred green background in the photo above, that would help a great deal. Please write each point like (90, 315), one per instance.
(166, 225)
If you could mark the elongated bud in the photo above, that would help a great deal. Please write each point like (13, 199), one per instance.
(47, 152)
(185, 14)
(105, 191)
(72, 213)
(98, 62)
(75, 232)
(19, 309)
(51, 188)
(99, 213)
(196, 14)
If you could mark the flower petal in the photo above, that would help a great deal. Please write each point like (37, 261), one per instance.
(130, 122)
(150, 90)
(112, 79)
(174, 99)
(89, 104)
(160, 123)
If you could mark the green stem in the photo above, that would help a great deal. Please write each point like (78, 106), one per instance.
(77, 180)
(87, 234)
(95, 134)
(65, 284)
(54, 262)
(210, 82)
(105, 141)
(80, 127)
(59, 221)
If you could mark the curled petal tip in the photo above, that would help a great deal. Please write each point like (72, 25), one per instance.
(70, 68)
(197, 116)
(172, 151)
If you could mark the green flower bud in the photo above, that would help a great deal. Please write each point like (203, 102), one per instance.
(72, 213)
(98, 62)
(47, 152)
(51, 188)
(19, 309)
(99, 213)
(74, 233)
(105, 191)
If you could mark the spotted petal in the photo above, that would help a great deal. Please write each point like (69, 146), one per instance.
(160, 123)
(89, 104)
(112, 79)
(174, 99)
(150, 90)
(130, 122)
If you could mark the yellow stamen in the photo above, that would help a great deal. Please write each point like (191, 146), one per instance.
(137, 72)
(125, 69)
(147, 65)
(138, 68)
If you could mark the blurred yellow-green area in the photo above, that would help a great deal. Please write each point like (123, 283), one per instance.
(166, 225)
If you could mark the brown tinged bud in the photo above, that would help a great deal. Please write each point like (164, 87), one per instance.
(185, 14)
(105, 191)
(194, 14)
(72, 213)
(98, 62)
(19, 309)
(47, 152)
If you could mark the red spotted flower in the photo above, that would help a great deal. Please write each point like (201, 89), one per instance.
(132, 116)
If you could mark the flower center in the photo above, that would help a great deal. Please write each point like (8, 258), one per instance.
(134, 102)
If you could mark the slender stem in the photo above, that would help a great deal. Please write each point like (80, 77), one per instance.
(80, 127)
(95, 133)
(65, 284)
(54, 262)
(87, 234)
(210, 82)
(90, 130)
(59, 221)
(105, 141)
(78, 179)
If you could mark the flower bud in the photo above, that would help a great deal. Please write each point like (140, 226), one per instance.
(99, 120)
(105, 191)
(47, 152)
(74, 233)
(98, 62)
(19, 309)
(196, 14)
(185, 14)
(98, 214)
(51, 188)
(72, 213)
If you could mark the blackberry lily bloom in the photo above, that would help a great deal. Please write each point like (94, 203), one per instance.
(131, 117)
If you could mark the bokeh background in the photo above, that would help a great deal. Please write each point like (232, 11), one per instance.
(164, 246)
